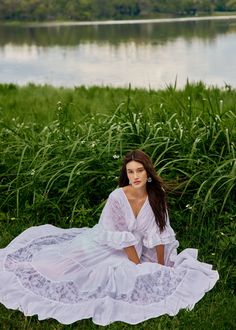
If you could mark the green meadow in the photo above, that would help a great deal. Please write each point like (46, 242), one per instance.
(61, 152)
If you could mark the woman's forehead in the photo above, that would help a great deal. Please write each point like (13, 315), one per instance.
(133, 165)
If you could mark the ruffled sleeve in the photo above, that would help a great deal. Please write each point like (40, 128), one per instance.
(112, 229)
(154, 237)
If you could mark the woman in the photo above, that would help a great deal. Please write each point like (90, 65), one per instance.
(125, 268)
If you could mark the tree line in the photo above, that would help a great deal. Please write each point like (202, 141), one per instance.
(86, 10)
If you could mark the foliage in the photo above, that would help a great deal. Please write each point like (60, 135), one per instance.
(61, 150)
(105, 9)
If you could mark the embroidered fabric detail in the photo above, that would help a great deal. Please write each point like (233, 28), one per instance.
(113, 217)
(25, 254)
(149, 288)
(152, 288)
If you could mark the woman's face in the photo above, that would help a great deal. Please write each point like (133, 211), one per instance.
(136, 173)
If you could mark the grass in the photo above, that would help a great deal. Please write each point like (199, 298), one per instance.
(58, 146)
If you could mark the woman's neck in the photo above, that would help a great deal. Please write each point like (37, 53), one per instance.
(138, 193)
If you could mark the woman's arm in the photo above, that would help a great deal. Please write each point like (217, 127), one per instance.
(132, 254)
(160, 254)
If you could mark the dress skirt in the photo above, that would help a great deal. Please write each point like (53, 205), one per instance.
(48, 271)
(79, 273)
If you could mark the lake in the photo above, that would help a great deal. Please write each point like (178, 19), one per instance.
(148, 54)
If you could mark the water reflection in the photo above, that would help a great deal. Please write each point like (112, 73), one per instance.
(114, 34)
(145, 55)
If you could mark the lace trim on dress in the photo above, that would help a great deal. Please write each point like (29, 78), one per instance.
(152, 288)
(115, 239)
(148, 288)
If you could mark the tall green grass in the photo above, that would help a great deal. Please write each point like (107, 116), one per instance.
(61, 151)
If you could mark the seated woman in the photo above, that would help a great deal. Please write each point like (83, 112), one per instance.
(126, 268)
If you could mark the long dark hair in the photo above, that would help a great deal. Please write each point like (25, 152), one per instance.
(155, 188)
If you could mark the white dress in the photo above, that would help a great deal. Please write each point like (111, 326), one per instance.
(78, 273)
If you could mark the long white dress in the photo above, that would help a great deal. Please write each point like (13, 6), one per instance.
(78, 273)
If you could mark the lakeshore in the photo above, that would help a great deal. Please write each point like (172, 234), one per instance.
(216, 16)
(150, 55)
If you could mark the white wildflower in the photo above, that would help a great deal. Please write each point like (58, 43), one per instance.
(116, 156)
(32, 172)
(188, 206)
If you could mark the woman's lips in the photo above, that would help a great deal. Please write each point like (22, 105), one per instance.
(136, 182)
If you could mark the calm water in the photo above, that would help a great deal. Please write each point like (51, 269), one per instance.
(150, 54)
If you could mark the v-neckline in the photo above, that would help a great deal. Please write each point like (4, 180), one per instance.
(132, 211)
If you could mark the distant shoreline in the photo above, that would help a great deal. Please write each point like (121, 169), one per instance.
(121, 22)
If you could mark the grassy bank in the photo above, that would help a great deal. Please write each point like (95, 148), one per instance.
(60, 146)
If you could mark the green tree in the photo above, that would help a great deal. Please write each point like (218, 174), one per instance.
(106, 9)
(231, 5)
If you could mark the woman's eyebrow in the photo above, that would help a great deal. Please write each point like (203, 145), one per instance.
(139, 168)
